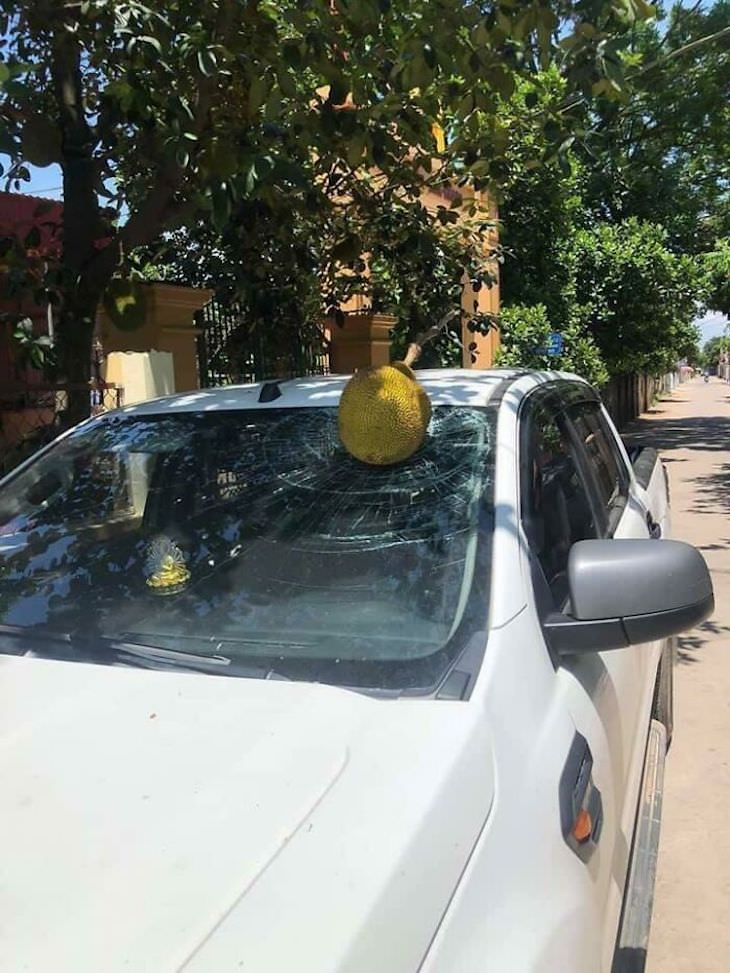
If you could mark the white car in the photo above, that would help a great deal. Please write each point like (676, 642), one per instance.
(265, 708)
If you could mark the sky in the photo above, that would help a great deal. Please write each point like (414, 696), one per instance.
(46, 182)
(712, 325)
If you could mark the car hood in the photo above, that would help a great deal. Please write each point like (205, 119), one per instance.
(165, 821)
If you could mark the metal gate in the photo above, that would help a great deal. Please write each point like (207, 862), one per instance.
(231, 350)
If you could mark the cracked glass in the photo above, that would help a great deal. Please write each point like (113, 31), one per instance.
(252, 537)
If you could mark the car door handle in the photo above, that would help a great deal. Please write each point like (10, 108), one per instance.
(655, 530)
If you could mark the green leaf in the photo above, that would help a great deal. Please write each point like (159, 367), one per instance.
(122, 92)
(258, 92)
(356, 150)
(222, 159)
(125, 301)
(207, 62)
(221, 206)
(347, 249)
(250, 180)
(552, 131)
(272, 109)
(264, 166)
(32, 239)
(292, 54)
(19, 91)
(8, 145)
(287, 85)
(420, 74)
(151, 42)
(41, 141)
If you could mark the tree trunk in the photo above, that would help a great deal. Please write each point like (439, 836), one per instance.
(85, 270)
(75, 335)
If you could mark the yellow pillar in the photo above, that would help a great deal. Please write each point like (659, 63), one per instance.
(363, 340)
(168, 326)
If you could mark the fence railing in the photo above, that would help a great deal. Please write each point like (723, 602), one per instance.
(627, 396)
(33, 415)
(230, 351)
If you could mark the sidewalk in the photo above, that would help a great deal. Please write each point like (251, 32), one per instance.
(691, 925)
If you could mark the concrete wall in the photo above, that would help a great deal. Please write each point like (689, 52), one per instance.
(628, 396)
(143, 375)
(169, 326)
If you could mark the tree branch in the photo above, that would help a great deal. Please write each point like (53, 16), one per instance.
(681, 51)
(416, 346)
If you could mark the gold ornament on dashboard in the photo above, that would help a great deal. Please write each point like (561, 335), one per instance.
(165, 567)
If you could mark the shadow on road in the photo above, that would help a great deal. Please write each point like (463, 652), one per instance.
(708, 494)
(711, 491)
(689, 645)
(693, 432)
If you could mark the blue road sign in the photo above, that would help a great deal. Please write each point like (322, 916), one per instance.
(555, 343)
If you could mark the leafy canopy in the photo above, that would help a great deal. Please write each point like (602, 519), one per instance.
(162, 114)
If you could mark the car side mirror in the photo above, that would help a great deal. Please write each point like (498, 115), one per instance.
(624, 592)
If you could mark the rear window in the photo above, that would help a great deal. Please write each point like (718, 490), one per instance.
(251, 543)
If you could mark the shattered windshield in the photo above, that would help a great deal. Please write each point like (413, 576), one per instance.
(253, 538)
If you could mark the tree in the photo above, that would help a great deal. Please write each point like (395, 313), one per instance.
(717, 265)
(664, 155)
(160, 114)
(649, 173)
(712, 349)
(635, 297)
(542, 206)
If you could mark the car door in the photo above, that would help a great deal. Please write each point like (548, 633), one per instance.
(576, 486)
(630, 671)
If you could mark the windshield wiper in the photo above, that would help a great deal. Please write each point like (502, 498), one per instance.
(156, 652)
(98, 647)
(220, 640)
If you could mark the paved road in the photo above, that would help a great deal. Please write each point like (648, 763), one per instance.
(691, 926)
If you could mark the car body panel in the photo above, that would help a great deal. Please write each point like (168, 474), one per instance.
(526, 902)
(213, 824)
(142, 810)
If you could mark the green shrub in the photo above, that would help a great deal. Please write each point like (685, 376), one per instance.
(525, 335)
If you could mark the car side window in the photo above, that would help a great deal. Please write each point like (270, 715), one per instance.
(604, 460)
(556, 506)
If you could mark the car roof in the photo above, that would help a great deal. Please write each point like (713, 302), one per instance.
(445, 386)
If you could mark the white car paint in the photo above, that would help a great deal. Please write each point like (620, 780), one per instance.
(161, 821)
(144, 812)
